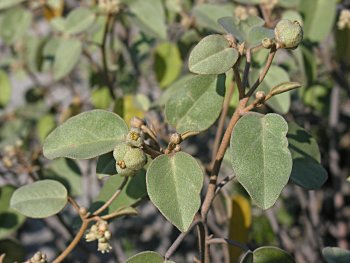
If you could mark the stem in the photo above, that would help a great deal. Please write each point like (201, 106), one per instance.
(150, 151)
(74, 242)
(118, 214)
(246, 68)
(223, 182)
(104, 56)
(179, 240)
(238, 80)
(229, 242)
(264, 72)
(113, 197)
(219, 156)
(222, 120)
(74, 204)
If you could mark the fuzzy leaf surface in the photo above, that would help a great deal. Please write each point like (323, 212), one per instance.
(267, 255)
(146, 256)
(40, 199)
(307, 170)
(212, 55)
(86, 135)
(188, 110)
(173, 185)
(260, 156)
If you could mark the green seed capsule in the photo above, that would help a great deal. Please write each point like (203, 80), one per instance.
(288, 34)
(128, 159)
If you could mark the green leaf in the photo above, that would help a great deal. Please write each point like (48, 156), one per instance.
(284, 87)
(257, 34)
(188, 110)
(101, 98)
(131, 194)
(241, 29)
(86, 135)
(319, 16)
(267, 255)
(79, 20)
(307, 171)
(167, 63)
(40, 199)
(67, 172)
(173, 89)
(336, 255)
(274, 77)
(66, 57)
(5, 89)
(260, 157)
(173, 185)
(146, 256)
(212, 55)
(9, 3)
(207, 15)
(106, 165)
(15, 24)
(45, 125)
(149, 16)
(14, 251)
(10, 220)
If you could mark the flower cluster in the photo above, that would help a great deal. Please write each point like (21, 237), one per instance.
(38, 257)
(243, 12)
(109, 6)
(100, 232)
(344, 19)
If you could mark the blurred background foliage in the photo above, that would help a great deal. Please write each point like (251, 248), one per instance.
(62, 57)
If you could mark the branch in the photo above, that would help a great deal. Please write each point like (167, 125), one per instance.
(222, 120)
(228, 242)
(113, 197)
(179, 240)
(264, 72)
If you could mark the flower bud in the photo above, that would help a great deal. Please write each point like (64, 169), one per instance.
(175, 138)
(136, 122)
(135, 137)
(260, 95)
(288, 34)
(104, 247)
(128, 159)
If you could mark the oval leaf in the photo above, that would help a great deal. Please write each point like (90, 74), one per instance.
(86, 135)
(319, 18)
(187, 109)
(5, 89)
(274, 77)
(8, 3)
(146, 256)
(149, 16)
(336, 255)
(10, 220)
(212, 55)
(66, 57)
(260, 156)
(267, 255)
(307, 171)
(40, 199)
(167, 63)
(173, 185)
(79, 20)
(284, 87)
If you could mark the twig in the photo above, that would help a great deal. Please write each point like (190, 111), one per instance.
(223, 116)
(104, 56)
(74, 204)
(112, 198)
(73, 244)
(150, 151)
(179, 240)
(246, 68)
(238, 81)
(228, 242)
(223, 182)
(264, 72)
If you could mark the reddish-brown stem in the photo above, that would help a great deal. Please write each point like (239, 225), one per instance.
(238, 81)
(74, 242)
(219, 156)
(222, 120)
(74, 204)
(246, 68)
(264, 72)
(150, 151)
